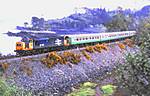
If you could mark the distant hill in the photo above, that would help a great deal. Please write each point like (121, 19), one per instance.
(145, 11)
(93, 20)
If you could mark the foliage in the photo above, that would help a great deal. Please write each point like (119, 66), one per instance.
(4, 65)
(87, 56)
(89, 84)
(119, 22)
(37, 23)
(103, 46)
(144, 12)
(89, 89)
(79, 21)
(53, 58)
(83, 92)
(86, 89)
(129, 42)
(98, 48)
(28, 71)
(121, 45)
(108, 89)
(90, 49)
(135, 73)
(71, 57)
(143, 36)
(5, 89)
(12, 90)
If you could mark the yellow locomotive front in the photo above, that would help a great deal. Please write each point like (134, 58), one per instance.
(22, 47)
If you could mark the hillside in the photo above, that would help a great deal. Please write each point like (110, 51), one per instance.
(93, 20)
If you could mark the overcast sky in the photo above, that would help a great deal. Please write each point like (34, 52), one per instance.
(16, 12)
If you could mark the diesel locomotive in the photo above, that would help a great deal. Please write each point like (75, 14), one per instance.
(43, 44)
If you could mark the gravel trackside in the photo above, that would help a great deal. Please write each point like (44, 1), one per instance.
(59, 80)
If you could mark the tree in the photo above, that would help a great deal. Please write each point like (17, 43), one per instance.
(119, 22)
(46, 26)
(135, 73)
(26, 24)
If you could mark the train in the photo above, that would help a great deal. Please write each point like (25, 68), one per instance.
(45, 44)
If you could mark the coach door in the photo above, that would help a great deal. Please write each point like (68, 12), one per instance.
(67, 41)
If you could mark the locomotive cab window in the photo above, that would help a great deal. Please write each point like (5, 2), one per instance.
(19, 45)
(31, 41)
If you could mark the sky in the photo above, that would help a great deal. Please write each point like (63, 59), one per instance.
(16, 12)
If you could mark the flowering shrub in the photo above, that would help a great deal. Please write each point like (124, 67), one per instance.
(98, 48)
(90, 49)
(53, 58)
(129, 42)
(4, 66)
(25, 69)
(87, 56)
(122, 46)
(103, 46)
(71, 57)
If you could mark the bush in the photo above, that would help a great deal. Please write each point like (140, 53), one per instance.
(71, 57)
(53, 58)
(98, 48)
(103, 46)
(86, 89)
(11, 90)
(121, 46)
(90, 49)
(129, 42)
(135, 73)
(87, 56)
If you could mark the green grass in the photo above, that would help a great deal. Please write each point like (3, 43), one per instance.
(88, 89)
(108, 89)
(12, 90)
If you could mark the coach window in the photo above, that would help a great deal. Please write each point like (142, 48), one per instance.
(77, 39)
